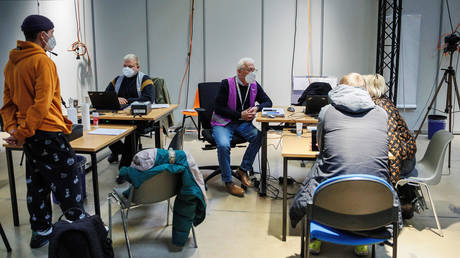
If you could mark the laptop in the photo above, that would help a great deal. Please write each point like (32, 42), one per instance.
(314, 103)
(272, 112)
(105, 100)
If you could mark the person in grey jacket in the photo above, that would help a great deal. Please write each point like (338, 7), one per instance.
(352, 119)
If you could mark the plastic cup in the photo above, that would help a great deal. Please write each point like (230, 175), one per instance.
(95, 119)
(298, 127)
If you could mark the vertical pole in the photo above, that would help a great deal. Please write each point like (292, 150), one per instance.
(392, 53)
(94, 45)
(204, 42)
(263, 179)
(398, 46)
(147, 34)
(379, 37)
(14, 200)
(285, 164)
(97, 207)
(262, 46)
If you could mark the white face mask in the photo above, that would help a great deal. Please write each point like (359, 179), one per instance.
(50, 44)
(250, 77)
(128, 72)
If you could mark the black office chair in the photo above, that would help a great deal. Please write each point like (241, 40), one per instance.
(207, 94)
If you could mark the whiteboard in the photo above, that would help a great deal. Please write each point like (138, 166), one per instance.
(409, 57)
(300, 83)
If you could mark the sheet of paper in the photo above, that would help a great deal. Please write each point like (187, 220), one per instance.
(107, 131)
(159, 106)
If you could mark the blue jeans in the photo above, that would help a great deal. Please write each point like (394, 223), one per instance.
(223, 136)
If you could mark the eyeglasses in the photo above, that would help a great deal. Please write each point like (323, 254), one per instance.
(250, 70)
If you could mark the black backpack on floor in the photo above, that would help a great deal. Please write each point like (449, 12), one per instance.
(84, 236)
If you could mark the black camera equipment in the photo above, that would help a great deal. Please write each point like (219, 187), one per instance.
(451, 42)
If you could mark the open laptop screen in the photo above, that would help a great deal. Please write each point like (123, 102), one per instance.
(105, 100)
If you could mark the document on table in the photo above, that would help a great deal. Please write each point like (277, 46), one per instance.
(159, 106)
(107, 131)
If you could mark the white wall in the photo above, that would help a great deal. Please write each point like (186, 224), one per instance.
(73, 74)
(428, 67)
(230, 30)
(168, 44)
(120, 28)
(224, 31)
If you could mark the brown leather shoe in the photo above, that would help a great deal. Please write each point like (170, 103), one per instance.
(244, 178)
(234, 189)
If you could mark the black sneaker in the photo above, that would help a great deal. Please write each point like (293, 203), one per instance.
(38, 241)
(112, 158)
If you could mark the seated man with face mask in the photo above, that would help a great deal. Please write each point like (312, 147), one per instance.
(132, 85)
(233, 114)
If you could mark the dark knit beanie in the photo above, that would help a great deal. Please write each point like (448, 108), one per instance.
(36, 22)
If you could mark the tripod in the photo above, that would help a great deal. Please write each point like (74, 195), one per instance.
(449, 78)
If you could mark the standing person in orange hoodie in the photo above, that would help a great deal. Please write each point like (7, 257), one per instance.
(33, 117)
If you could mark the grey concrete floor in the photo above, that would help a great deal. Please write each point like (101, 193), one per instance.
(237, 227)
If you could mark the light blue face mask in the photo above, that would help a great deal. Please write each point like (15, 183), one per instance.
(128, 72)
(50, 44)
(250, 77)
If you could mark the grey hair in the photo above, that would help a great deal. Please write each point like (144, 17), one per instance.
(131, 57)
(243, 61)
(375, 85)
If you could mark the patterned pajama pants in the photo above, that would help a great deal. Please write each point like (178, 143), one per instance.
(50, 166)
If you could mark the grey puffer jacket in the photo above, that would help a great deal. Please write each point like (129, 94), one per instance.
(352, 139)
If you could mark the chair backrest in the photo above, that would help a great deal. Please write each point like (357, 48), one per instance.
(177, 141)
(354, 202)
(433, 159)
(207, 95)
(164, 185)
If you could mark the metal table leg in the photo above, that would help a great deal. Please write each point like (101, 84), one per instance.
(14, 201)
(285, 163)
(97, 207)
(263, 177)
(157, 135)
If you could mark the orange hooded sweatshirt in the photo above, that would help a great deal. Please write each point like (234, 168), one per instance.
(32, 95)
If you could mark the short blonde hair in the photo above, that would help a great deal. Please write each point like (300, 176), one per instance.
(131, 57)
(353, 79)
(375, 85)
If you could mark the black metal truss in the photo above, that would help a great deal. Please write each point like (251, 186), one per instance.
(388, 44)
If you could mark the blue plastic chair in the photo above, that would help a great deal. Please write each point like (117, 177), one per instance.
(350, 203)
